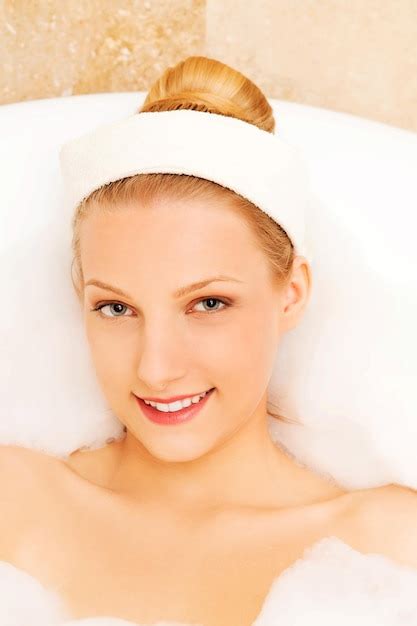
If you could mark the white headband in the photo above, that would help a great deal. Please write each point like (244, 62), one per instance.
(252, 162)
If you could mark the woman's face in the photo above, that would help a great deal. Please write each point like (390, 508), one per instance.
(160, 345)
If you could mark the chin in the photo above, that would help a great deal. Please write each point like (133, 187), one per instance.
(180, 451)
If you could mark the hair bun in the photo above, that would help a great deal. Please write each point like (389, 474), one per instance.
(205, 84)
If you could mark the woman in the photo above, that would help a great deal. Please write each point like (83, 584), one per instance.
(195, 512)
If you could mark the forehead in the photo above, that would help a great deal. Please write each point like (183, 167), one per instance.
(170, 236)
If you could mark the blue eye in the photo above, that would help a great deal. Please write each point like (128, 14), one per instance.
(101, 306)
(211, 309)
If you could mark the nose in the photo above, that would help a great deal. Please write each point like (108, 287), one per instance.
(162, 358)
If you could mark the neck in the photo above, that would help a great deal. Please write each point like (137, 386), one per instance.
(246, 470)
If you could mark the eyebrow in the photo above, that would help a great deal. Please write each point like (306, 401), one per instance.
(178, 293)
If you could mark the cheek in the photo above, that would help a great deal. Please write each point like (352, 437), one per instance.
(246, 350)
(112, 354)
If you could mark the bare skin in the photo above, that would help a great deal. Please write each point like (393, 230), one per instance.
(212, 567)
(188, 523)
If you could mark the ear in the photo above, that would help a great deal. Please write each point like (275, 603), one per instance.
(297, 293)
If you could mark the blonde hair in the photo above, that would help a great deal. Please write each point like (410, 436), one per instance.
(201, 84)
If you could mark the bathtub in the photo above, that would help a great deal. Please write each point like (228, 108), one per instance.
(366, 171)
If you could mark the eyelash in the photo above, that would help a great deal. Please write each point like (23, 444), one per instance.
(100, 305)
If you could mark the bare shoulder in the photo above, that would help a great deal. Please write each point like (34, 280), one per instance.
(18, 463)
(23, 488)
(383, 520)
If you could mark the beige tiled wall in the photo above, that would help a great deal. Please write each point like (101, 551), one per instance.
(58, 48)
(357, 56)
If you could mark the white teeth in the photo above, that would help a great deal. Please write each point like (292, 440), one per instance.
(178, 405)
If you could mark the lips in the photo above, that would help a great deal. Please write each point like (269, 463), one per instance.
(174, 398)
(173, 417)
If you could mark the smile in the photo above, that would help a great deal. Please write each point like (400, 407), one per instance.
(175, 412)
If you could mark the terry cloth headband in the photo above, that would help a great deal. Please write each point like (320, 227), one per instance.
(254, 163)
